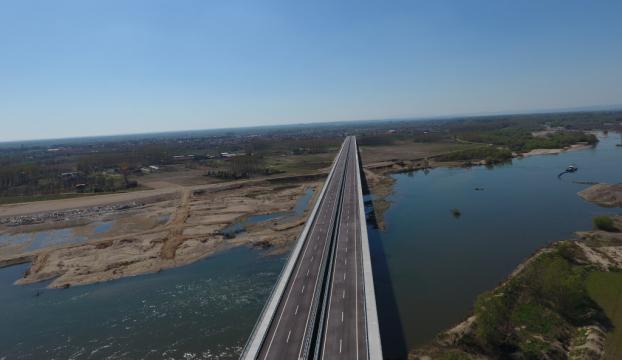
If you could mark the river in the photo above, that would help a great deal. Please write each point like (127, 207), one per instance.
(438, 263)
(428, 264)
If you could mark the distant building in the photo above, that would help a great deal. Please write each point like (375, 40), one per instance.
(71, 174)
(183, 157)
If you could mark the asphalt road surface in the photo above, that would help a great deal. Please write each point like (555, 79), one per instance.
(297, 309)
(344, 331)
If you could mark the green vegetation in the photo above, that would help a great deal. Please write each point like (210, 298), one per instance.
(606, 289)
(107, 164)
(605, 223)
(535, 309)
(522, 140)
(300, 164)
(491, 154)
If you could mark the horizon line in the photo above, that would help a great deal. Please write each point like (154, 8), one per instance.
(588, 108)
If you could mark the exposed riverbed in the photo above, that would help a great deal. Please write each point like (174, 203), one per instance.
(439, 262)
(204, 310)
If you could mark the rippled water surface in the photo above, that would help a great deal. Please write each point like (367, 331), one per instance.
(201, 311)
(438, 263)
(435, 266)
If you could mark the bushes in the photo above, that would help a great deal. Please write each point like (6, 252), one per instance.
(521, 139)
(535, 309)
(604, 223)
(491, 154)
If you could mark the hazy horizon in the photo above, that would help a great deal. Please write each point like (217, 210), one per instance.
(76, 69)
(591, 108)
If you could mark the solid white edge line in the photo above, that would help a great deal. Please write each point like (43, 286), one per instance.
(373, 330)
(260, 330)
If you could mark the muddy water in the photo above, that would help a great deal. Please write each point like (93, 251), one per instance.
(438, 263)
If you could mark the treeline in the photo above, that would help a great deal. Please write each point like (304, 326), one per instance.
(241, 167)
(491, 154)
(522, 140)
(34, 179)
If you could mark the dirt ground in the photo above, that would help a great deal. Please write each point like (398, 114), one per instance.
(157, 233)
(608, 195)
(373, 156)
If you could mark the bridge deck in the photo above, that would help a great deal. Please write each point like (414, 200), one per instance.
(320, 304)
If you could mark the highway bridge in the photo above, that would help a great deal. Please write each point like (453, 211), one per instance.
(323, 305)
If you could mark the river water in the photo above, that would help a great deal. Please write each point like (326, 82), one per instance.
(429, 267)
(438, 263)
(203, 310)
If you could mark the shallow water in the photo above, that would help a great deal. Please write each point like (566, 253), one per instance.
(41, 239)
(201, 311)
(298, 210)
(438, 263)
(204, 310)
(102, 227)
(435, 266)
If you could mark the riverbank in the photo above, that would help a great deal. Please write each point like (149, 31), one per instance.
(155, 234)
(606, 195)
(378, 171)
(559, 303)
(574, 147)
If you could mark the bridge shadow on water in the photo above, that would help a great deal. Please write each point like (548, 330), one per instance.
(391, 330)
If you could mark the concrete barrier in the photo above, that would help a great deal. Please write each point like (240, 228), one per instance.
(371, 313)
(260, 330)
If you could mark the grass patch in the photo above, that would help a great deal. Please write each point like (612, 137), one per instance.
(606, 289)
(605, 223)
(300, 164)
(536, 309)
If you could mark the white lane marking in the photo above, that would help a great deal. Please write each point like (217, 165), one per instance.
(296, 312)
(288, 334)
(314, 289)
(344, 276)
(346, 249)
(303, 289)
(345, 261)
(319, 216)
(342, 316)
(308, 270)
(356, 282)
(343, 296)
(332, 288)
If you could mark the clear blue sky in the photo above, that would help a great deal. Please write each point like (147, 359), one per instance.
(82, 67)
